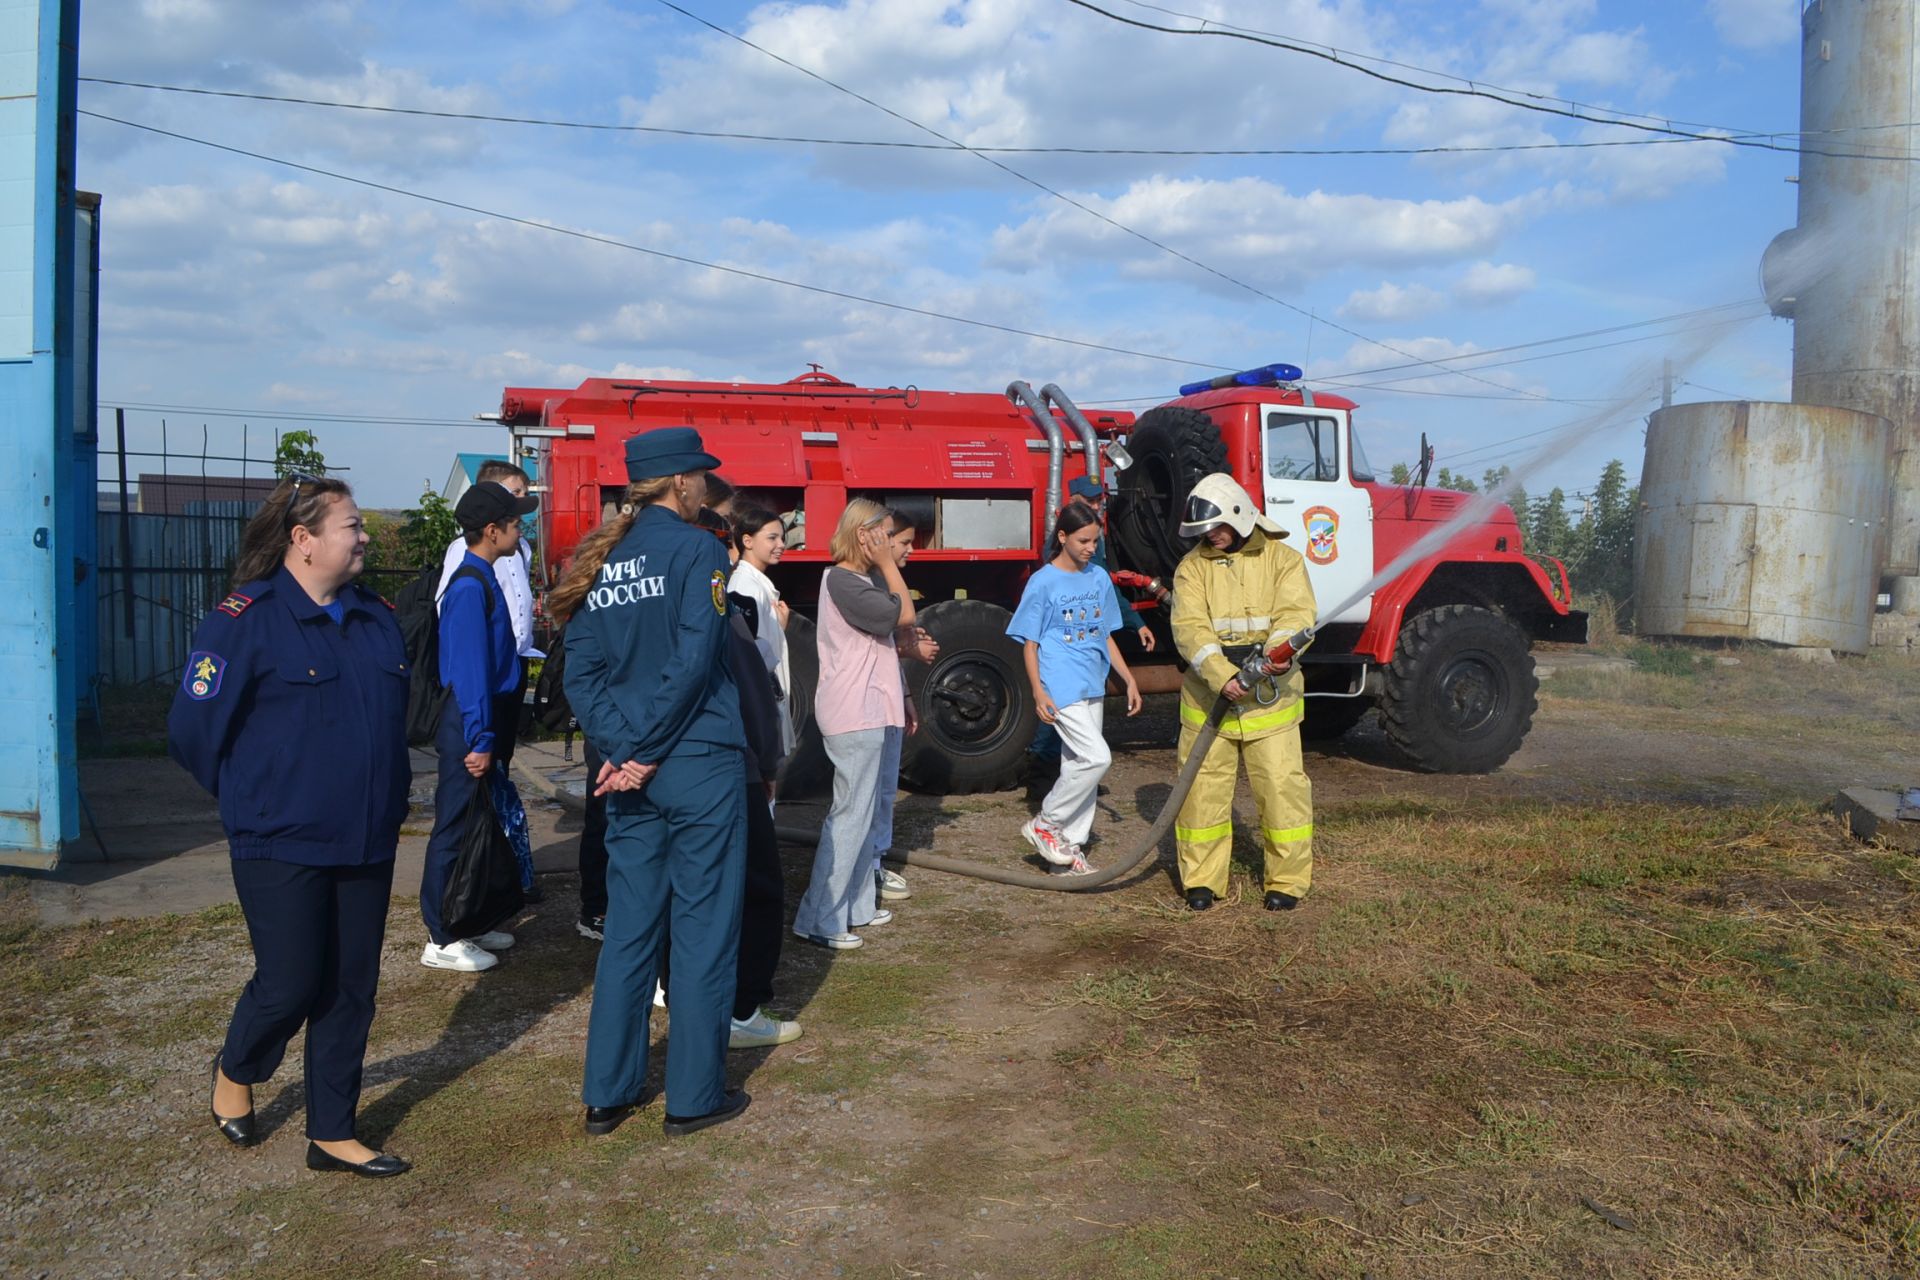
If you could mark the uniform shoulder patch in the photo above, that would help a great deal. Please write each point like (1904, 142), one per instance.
(203, 674)
(720, 592)
(234, 605)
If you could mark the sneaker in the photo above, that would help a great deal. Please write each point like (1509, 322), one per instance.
(594, 927)
(1046, 843)
(533, 895)
(761, 1030)
(659, 996)
(1078, 866)
(492, 940)
(460, 954)
(882, 916)
(833, 941)
(892, 887)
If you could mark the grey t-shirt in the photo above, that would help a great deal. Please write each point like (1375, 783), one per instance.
(864, 601)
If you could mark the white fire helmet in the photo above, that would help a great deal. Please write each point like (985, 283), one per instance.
(1218, 499)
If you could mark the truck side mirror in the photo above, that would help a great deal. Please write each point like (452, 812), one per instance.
(1118, 457)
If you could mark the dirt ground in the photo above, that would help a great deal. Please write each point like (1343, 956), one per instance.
(1632, 1006)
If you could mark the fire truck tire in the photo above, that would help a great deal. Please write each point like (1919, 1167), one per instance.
(976, 716)
(1172, 449)
(807, 772)
(1329, 718)
(1460, 692)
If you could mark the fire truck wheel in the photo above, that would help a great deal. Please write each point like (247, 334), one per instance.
(1460, 693)
(1172, 449)
(807, 772)
(1329, 718)
(976, 717)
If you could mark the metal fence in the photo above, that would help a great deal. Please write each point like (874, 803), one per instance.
(158, 572)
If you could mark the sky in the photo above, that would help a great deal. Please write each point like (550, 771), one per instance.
(240, 293)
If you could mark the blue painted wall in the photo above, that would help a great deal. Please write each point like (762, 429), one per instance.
(39, 792)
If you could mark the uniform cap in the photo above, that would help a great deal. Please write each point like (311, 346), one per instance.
(1218, 499)
(667, 451)
(1086, 487)
(490, 502)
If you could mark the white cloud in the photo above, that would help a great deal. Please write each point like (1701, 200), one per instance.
(1484, 284)
(1756, 24)
(1390, 303)
(1259, 230)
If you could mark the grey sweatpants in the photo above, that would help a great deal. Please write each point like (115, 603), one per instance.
(841, 896)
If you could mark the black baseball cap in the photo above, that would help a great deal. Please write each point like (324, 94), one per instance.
(490, 503)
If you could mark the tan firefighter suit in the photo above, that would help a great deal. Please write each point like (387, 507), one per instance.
(1257, 594)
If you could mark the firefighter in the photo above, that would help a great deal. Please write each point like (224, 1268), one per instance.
(1237, 589)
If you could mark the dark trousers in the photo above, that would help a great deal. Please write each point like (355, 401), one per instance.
(316, 960)
(451, 796)
(676, 861)
(593, 844)
(763, 912)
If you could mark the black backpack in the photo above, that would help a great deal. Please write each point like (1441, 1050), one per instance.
(417, 610)
(551, 710)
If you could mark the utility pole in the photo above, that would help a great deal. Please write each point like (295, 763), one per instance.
(1666, 383)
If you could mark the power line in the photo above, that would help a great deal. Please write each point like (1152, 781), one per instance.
(288, 415)
(1038, 185)
(663, 254)
(1472, 89)
(901, 145)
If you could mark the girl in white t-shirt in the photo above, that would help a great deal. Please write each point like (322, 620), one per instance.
(761, 538)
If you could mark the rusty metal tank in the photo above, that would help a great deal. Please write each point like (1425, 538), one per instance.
(1762, 521)
(1849, 273)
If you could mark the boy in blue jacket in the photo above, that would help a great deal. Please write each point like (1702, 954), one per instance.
(480, 666)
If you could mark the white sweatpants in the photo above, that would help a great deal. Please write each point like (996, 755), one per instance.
(1084, 760)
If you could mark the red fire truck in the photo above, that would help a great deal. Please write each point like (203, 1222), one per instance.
(1442, 648)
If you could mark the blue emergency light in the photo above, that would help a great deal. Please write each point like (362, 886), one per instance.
(1267, 375)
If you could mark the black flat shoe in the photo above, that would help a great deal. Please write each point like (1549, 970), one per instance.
(730, 1106)
(1278, 901)
(381, 1166)
(533, 895)
(1199, 899)
(235, 1129)
(602, 1121)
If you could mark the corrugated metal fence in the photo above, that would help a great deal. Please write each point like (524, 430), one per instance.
(159, 575)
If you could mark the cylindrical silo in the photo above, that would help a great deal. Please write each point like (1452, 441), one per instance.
(1849, 273)
(1762, 522)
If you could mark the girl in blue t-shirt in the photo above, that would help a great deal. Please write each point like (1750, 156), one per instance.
(1067, 616)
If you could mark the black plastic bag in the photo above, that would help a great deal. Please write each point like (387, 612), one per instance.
(483, 886)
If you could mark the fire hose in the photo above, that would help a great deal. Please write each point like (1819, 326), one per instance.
(1256, 673)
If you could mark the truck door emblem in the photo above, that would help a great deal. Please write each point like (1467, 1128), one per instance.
(1323, 532)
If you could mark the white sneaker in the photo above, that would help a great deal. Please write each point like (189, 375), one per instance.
(892, 887)
(460, 954)
(761, 1030)
(832, 941)
(492, 940)
(1046, 843)
(882, 916)
(659, 996)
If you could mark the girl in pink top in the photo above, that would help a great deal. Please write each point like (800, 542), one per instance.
(860, 706)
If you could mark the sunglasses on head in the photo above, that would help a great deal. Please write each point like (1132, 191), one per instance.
(300, 479)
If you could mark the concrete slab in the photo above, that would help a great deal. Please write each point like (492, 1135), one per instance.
(1871, 814)
(1546, 665)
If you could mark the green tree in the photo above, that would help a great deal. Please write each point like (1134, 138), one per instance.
(428, 529)
(299, 451)
(1458, 483)
(1550, 530)
(1401, 474)
(1603, 559)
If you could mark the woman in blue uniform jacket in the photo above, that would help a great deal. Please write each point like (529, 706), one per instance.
(648, 679)
(292, 712)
